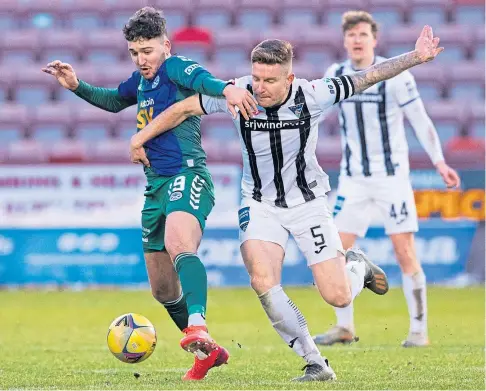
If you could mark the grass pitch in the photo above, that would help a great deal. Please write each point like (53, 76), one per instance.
(57, 340)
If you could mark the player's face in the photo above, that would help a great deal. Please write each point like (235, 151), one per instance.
(149, 54)
(271, 83)
(360, 42)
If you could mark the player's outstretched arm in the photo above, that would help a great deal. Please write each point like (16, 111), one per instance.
(193, 76)
(168, 119)
(107, 99)
(426, 49)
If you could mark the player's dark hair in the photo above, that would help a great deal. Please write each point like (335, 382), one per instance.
(352, 18)
(272, 51)
(146, 23)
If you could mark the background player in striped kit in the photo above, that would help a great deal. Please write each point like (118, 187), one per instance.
(284, 189)
(375, 170)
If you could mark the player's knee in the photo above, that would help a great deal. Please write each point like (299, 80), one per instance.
(163, 294)
(340, 298)
(261, 283)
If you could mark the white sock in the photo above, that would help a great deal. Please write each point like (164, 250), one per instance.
(196, 319)
(290, 324)
(415, 290)
(356, 272)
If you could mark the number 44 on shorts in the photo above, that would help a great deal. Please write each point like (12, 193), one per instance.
(403, 213)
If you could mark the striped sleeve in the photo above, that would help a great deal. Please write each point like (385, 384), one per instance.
(331, 90)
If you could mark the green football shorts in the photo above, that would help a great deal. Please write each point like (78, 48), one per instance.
(189, 192)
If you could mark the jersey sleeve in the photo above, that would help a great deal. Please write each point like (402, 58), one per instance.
(191, 75)
(128, 88)
(332, 90)
(211, 104)
(406, 89)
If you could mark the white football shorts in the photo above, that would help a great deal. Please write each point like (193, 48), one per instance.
(311, 224)
(392, 195)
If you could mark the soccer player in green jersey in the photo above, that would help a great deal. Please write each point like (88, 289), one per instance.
(180, 194)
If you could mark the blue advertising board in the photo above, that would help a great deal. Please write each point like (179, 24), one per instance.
(100, 256)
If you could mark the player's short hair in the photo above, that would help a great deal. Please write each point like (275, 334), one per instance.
(146, 23)
(352, 18)
(273, 51)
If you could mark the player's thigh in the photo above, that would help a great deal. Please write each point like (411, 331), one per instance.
(395, 199)
(164, 281)
(312, 226)
(351, 209)
(189, 200)
(263, 240)
(153, 219)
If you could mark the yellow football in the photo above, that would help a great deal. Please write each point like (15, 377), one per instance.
(131, 338)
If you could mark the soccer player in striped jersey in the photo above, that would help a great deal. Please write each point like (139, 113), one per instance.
(375, 170)
(284, 189)
(179, 195)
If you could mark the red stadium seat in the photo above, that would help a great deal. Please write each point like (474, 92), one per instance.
(431, 12)
(388, 13)
(93, 123)
(84, 14)
(232, 47)
(33, 87)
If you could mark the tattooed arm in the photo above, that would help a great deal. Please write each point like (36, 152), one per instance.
(426, 49)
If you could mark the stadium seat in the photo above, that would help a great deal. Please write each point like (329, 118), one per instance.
(84, 14)
(193, 42)
(256, 14)
(126, 124)
(92, 123)
(109, 151)
(334, 9)
(213, 14)
(68, 151)
(430, 80)
(33, 87)
(13, 122)
(298, 13)
(63, 45)
(19, 47)
(388, 13)
(308, 70)
(119, 11)
(448, 117)
(7, 83)
(232, 47)
(456, 39)
(50, 123)
(84, 71)
(477, 123)
(469, 14)
(466, 81)
(478, 45)
(219, 127)
(9, 15)
(431, 12)
(26, 151)
(112, 76)
(105, 46)
(41, 14)
(176, 13)
(320, 45)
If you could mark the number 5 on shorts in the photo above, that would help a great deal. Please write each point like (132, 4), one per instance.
(321, 242)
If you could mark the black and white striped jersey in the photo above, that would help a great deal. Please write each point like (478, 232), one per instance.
(372, 127)
(279, 143)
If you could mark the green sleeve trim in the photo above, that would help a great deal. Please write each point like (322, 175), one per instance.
(105, 98)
